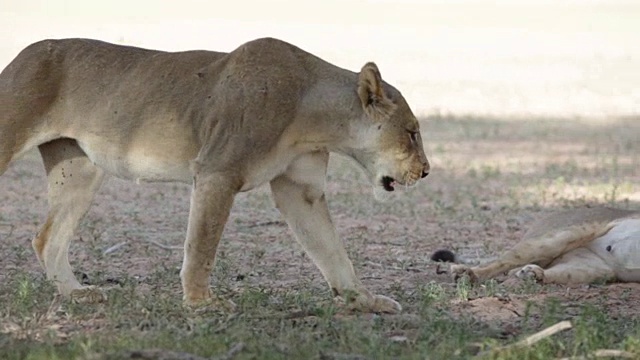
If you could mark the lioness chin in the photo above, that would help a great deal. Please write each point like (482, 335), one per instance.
(267, 112)
(575, 246)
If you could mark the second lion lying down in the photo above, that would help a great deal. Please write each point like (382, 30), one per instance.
(570, 247)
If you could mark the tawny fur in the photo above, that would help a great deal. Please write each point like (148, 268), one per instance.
(267, 112)
(575, 246)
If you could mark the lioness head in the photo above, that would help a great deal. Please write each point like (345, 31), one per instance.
(391, 151)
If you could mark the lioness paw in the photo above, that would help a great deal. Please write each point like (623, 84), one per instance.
(88, 295)
(211, 303)
(385, 305)
(379, 304)
(531, 271)
(458, 272)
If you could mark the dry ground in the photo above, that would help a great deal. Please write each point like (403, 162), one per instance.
(490, 178)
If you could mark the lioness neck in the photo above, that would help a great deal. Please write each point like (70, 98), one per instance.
(330, 116)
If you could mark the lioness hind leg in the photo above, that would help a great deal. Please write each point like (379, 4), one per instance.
(72, 183)
(578, 266)
(299, 195)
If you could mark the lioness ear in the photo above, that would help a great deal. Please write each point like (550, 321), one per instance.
(375, 102)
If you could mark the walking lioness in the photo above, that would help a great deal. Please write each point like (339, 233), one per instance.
(267, 112)
(570, 247)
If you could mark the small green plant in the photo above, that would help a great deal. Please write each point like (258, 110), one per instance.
(463, 288)
(432, 293)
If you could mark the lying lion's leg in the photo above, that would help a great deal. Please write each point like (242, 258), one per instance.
(72, 183)
(211, 200)
(541, 250)
(578, 266)
(299, 195)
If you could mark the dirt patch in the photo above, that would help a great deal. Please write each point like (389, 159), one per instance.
(491, 309)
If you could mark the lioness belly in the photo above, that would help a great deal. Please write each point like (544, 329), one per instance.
(620, 248)
(140, 162)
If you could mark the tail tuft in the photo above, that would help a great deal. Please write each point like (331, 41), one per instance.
(444, 256)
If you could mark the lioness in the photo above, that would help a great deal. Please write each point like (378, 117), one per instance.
(224, 122)
(570, 247)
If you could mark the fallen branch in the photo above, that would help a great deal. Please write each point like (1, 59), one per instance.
(339, 356)
(153, 354)
(163, 246)
(610, 353)
(114, 248)
(11, 227)
(551, 330)
(224, 326)
(267, 223)
(532, 339)
(235, 349)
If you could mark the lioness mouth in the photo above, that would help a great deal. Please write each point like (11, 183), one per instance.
(388, 183)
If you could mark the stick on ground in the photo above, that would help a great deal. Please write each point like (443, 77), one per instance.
(532, 339)
(605, 353)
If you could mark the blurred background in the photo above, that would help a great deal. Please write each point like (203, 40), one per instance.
(508, 59)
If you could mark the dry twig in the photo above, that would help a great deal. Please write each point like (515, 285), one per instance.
(268, 223)
(532, 339)
(339, 356)
(114, 248)
(608, 353)
(10, 226)
(152, 354)
(163, 246)
(235, 349)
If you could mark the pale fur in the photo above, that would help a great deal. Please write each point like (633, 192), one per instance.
(571, 247)
(267, 112)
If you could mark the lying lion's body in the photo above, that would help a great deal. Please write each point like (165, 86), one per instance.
(570, 247)
(267, 112)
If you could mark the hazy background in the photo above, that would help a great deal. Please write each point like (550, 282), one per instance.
(499, 58)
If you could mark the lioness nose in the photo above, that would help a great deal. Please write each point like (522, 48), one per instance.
(424, 174)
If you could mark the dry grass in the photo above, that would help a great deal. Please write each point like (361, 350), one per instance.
(490, 178)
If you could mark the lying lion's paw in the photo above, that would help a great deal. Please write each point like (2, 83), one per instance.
(531, 271)
(88, 295)
(460, 271)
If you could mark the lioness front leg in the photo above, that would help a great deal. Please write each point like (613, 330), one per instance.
(299, 195)
(211, 200)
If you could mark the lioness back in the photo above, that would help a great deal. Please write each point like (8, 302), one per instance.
(155, 110)
(74, 84)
